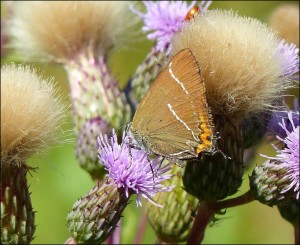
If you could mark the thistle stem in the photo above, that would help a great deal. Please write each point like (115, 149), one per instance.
(233, 202)
(206, 211)
(116, 236)
(202, 219)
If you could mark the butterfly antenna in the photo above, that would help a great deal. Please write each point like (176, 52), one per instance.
(153, 175)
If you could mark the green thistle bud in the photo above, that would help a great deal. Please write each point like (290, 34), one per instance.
(95, 96)
(146, 73)
(94, 217)
(290, 211)
(230, 140)
(87, 146)
(213, 177)
(173, 222)
(268, 184)
(17, 216)
(95, 93)
(216, 175)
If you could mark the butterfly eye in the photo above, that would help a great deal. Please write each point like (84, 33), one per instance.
(192, 13)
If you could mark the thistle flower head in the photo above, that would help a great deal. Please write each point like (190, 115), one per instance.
(131, 169)
(30, 112)
(287, 159)
(163, 18)
(277, 117)
(285, 20)
(61, 30)
(288, 56)
(237, 57)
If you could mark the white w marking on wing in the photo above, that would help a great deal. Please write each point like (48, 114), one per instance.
(176, 79)
(181, 121)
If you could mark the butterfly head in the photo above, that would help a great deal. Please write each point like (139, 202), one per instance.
(134, 139)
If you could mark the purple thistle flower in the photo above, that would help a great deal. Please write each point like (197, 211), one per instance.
(131, 169)
(163, 18)
(277, 116)
(288, 55)
(287, 159)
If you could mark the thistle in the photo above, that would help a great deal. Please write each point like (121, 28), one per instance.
(274, 128)
(254, 126)
(290, 211)
(94, 217)
(213, 177)
(223, 45)
(172, 223)
(79, 35)
(277, 180)
(30, 115)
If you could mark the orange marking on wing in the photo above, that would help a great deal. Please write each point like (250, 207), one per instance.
(206, 136)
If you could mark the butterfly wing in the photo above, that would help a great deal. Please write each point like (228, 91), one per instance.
(171, 117)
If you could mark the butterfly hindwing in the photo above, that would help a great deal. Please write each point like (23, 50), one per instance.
(169, 116)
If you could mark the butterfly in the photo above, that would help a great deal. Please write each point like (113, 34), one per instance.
(173, 119)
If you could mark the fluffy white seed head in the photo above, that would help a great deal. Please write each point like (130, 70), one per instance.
(285, 21)
(61, 30)
(237, 57)
(31, 112)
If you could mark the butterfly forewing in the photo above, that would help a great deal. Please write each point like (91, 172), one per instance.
(168, 118)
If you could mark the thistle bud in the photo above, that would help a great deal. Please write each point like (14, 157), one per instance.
(276, 181)
(146, 73)
(212, 177)
(94, 217)
(172, 223)
(269, 184)
(218, 174)
(17, 215)
(290, 211)
(87, 146)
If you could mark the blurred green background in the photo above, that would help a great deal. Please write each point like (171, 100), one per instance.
(59, 181)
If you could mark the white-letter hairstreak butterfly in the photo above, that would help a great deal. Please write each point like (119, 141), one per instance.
(173, 119)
